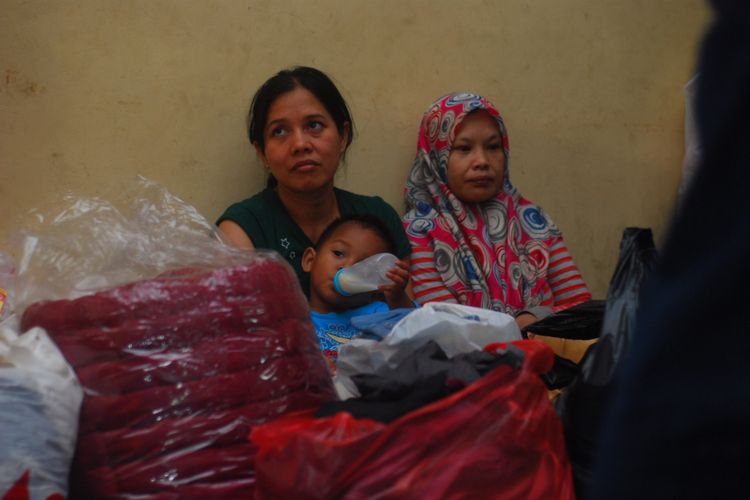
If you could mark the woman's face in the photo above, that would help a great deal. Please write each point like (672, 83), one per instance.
(303, 145)
(476, 163)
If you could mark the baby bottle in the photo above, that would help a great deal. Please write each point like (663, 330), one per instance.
(366, 275)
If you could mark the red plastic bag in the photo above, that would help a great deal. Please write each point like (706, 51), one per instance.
(497, 438)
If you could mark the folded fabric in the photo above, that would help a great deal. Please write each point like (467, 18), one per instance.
(217, 393)
(226, 354)
(236, 292)
(214, 429)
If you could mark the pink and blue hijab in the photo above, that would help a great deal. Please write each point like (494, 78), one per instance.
(494, 254)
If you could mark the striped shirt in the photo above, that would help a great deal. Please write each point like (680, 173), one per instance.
(565, 286)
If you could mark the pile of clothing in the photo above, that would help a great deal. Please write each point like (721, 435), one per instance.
(495, 437)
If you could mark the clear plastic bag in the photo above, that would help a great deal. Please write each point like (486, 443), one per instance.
(181, 343)
(77, 245)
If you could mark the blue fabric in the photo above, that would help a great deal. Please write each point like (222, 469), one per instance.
(380, 324)
(335, 328)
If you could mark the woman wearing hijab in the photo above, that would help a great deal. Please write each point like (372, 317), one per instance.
(475, 240)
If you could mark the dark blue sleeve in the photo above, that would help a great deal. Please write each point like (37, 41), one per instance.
(679, 426)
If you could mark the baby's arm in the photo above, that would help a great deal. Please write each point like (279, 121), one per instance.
(395, 294)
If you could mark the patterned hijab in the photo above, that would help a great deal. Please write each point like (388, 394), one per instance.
(494, 254)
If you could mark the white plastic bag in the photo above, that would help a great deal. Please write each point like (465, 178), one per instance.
(40, 398)
(455, 328)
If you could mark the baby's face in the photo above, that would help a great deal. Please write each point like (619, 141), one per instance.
(348, 244)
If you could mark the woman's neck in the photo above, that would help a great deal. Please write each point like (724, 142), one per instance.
(311, 211)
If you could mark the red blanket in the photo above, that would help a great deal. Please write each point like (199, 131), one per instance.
(176, 372)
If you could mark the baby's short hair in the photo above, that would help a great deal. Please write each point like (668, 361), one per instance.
(365, 221)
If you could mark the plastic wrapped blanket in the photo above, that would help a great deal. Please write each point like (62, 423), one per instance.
(181, 344)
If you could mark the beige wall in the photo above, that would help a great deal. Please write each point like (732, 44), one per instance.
(94, 91)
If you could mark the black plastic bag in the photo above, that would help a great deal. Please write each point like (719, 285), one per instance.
(581, 322)
(563, 372)
(583, 403)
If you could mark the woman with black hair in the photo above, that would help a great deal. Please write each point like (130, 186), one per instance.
(301, 128)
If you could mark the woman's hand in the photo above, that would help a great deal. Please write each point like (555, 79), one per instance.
(525, 319)
(396, 294)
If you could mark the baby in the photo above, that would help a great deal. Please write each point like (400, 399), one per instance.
(345, 242)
